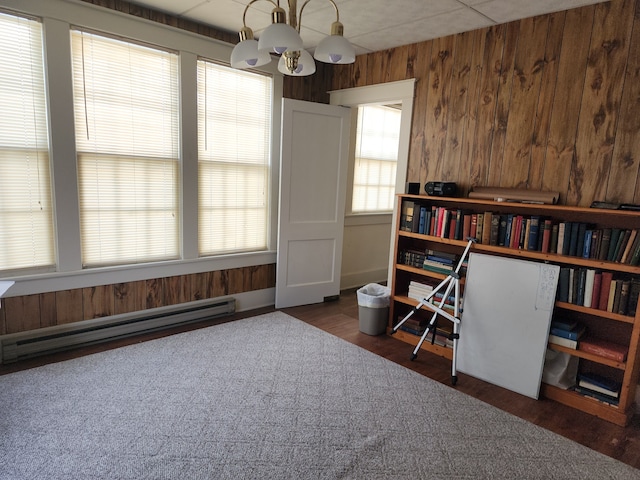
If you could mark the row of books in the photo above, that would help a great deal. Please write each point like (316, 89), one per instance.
(420, 291)
(599, 387)
(432, 260)
(532, 232)
(572, 334)
(418, 325)
(602, 290)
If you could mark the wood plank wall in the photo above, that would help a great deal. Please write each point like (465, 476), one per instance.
(30, 312)
(545, 103)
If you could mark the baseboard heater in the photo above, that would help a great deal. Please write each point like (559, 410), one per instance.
(17, 346)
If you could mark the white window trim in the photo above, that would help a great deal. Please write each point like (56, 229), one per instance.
(58, 16)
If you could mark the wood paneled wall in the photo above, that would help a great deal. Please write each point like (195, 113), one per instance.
(545, 103)
(30, 312)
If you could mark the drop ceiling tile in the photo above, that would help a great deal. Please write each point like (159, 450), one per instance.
(421, 30)
(361, 17)
(503, 11)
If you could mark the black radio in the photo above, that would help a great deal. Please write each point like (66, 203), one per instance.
(441, 189)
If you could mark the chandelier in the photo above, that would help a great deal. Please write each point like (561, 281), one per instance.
(284, 39)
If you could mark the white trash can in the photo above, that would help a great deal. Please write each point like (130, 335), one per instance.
(373, 308)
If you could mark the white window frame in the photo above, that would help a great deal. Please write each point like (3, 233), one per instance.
(25, 172)
(58, 16)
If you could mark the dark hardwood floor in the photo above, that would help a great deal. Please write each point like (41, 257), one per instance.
(340, 318)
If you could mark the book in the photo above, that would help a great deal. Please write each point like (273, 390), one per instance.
(582, 275)
(474, 226)
(605, 285)
(564, 324)
(624, 297)
(509, 230)
(466, 226)
(586, 244)
(634, 292)
(615, 236)
(406, 218)
(605, 348)
(599, 383)
(563, 285)
(595, 294)
(479, 227)
(582, 228)
(553, 244)
(622, 244)
(547, 226)
(573, 239)
(534, 228)
(596, 395)
(564, 231)
(635, 246)
(573, 334)
(423, 220)
(605, 240)
(629, 245)
(588, 287)
(494, 229)
(563, 342)
(486, 228)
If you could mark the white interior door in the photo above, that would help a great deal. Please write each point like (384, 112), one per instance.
(313, 176)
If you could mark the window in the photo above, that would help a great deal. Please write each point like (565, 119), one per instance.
(376, 155)
(127, 140)
(26, 218)
(234, 144)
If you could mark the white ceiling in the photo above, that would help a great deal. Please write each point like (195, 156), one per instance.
(370, 25)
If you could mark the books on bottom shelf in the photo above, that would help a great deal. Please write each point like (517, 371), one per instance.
(417, 326)
(598, 386)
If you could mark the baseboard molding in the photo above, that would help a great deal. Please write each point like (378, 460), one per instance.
(356, 280)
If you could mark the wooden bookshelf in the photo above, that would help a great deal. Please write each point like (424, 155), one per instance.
(622, 329)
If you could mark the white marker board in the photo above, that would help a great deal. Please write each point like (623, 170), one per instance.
(505, 321)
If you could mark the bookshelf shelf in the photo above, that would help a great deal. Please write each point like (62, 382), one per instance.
(606, 324)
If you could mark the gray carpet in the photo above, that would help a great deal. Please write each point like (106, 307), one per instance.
(268, 397)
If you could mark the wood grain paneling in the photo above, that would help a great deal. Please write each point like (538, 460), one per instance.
(459, 96)
(503, 99)
(565, 111)
(528, 67)
(550, 104)
(545, 100)
(22, 313)
(626, 152)
(600, 106)
(124, 298)
(69, 306)
(48, 313)
(97, 301)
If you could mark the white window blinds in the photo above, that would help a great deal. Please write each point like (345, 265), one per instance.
(234, 143)
(377, 138)
(26, 225)
(126, 118)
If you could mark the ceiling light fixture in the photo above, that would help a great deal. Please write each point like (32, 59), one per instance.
(284, 39)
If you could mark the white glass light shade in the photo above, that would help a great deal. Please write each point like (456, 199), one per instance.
(246, 55)
(306, 65)
(279, 37)
(335, 49)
